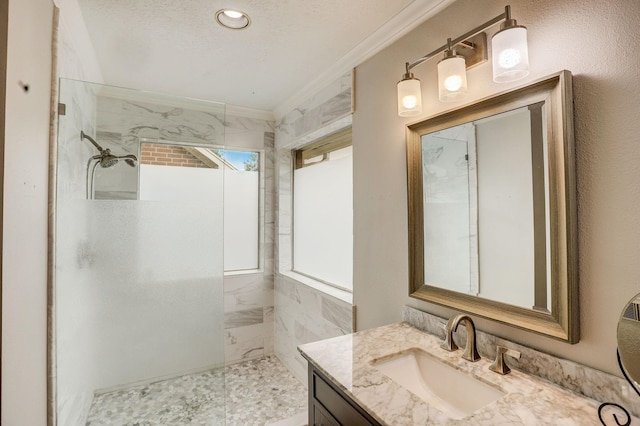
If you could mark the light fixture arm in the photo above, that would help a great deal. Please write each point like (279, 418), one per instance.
(506, 16)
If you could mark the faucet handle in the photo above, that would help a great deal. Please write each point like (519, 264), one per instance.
(499, 366)
(448, 344)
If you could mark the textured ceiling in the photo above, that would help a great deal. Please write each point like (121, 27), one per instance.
(176, 47)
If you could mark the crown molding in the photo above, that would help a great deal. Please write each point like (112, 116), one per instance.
(402, 23)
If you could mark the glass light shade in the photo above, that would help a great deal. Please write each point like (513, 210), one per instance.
(452, 78)
(510, 54)
(409, 97)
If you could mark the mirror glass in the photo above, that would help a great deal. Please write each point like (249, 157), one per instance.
(484, 192)
(492, 208)
(629, 339)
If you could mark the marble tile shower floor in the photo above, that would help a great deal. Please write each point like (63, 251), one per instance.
(255, 392)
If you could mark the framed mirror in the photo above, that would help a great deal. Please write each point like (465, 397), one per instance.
(492, 212)
(629, 341)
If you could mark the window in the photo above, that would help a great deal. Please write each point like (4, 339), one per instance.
(183, 173)
(323, 210)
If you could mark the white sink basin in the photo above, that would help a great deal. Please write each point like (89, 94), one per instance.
(449, 390)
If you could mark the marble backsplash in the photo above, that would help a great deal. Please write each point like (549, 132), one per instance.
(587, 381)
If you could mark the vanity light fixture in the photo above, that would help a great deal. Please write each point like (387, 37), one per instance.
(509, 55)
(409, 95)
(452, 75)
(233, 19)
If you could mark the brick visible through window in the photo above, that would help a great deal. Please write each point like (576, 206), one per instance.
(169, 155)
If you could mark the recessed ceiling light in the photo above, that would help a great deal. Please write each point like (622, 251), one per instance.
(233, 19)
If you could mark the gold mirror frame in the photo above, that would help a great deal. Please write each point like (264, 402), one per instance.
(563, 321)
(629, 338)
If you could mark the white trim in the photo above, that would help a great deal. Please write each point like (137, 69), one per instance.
(402, 23)
(343, 295)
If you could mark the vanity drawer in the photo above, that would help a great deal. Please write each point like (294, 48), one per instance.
(330, 406)
(322, 418)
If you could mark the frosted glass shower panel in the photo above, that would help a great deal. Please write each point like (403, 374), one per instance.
(138, 283)
(149, 275)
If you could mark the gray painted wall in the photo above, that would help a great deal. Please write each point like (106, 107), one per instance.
(607, 104)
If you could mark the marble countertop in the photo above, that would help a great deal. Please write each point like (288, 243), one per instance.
(529, 400)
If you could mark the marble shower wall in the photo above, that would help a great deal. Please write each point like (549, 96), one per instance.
(304, 314)
(248, 298)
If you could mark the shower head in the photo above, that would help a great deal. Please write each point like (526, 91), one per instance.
(129, 159)
(105, 158)
(108, 160)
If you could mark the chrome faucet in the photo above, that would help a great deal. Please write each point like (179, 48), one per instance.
(470, 351)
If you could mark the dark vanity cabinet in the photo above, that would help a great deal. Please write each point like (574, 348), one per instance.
(329, 406)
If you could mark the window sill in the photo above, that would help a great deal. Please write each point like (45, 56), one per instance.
(343, 295)
(243, 272)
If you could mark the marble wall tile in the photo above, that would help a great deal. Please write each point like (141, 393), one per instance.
(269, 344)
(340, 314)
(248, 123)
(245, 333)
(242, 292)
(172, 120)
(330, 104)
(72, 153)
(250, 341)
(302, 333)
(243, 318)
(268, 315)
(244, 350)
(304, 315)
(269, 206)
(587, 381)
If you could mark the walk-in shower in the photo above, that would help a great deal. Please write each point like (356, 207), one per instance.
(145, 329)
(105, 159)
(138, 269)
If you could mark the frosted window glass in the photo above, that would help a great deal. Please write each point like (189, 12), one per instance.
(172, 183)
(323, 221)
(241, 203)
(241, 213)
